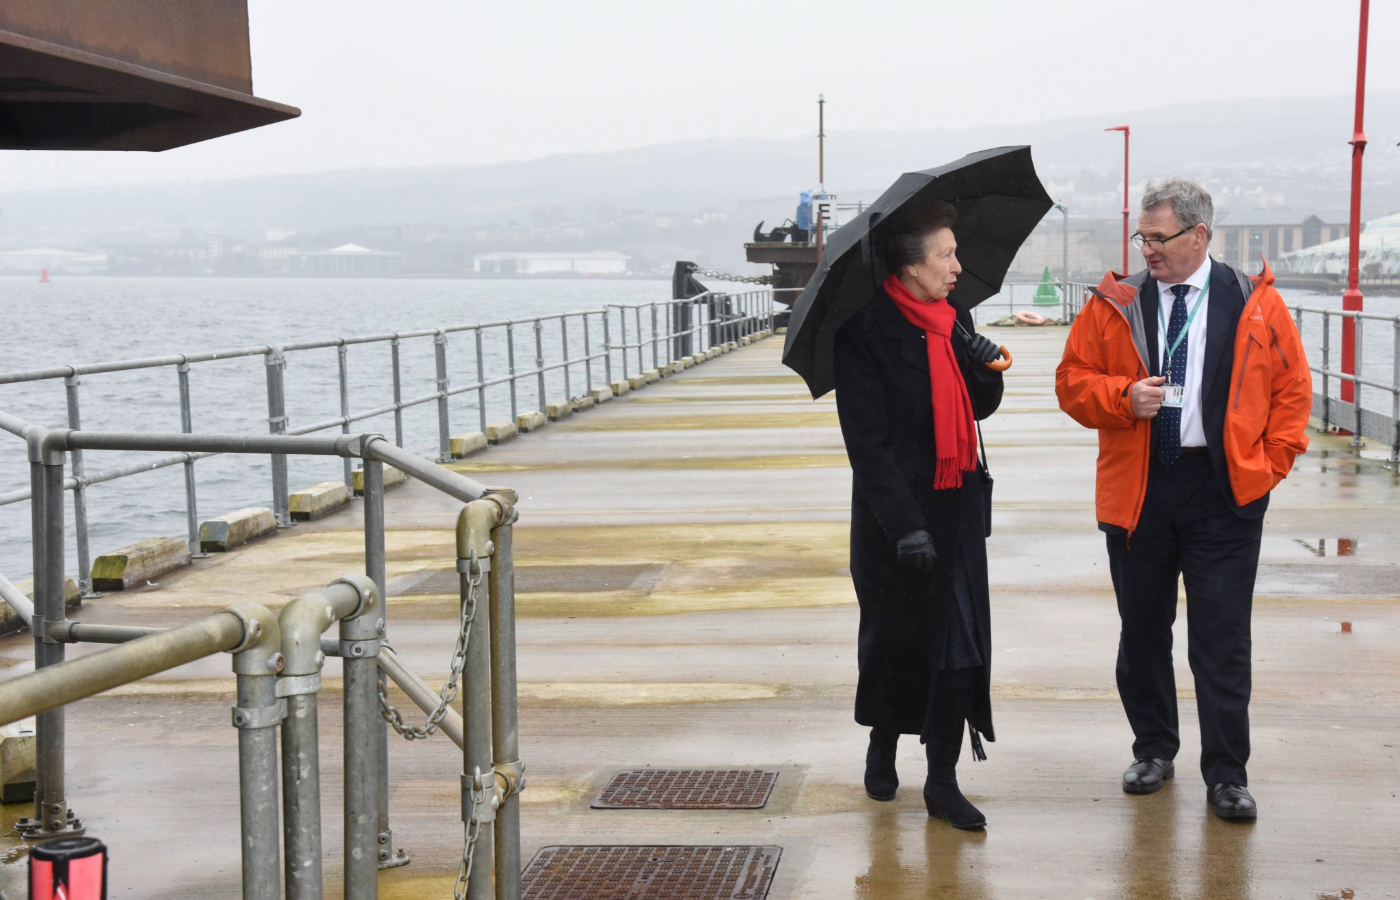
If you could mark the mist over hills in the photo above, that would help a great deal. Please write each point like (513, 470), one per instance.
(1251, 153)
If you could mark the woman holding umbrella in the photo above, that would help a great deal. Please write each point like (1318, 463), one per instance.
(911, 382)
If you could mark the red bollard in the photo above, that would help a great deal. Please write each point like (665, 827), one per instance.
(72, 868)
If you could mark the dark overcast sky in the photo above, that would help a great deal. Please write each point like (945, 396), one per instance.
(447, 81)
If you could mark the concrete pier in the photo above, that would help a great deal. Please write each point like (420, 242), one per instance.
(683, 597)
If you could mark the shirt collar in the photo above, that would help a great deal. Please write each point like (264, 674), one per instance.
(1197, 279)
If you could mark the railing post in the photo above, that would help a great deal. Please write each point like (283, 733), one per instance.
(1395, 392)
(1326, 366)
(342, 354)
(373, 473)
(539, 363)
(480, 383)
(510, 359)
(301, 786)
(191, 504)
(477, 755)
(257, 715)
(80, 522)
(1358, 373)
(360, 637)
(444, 429)
(607, 346)
(564, 338)
(588, 355)
(505, 743)
(276, 363)
(654, 361)
(398, 392)
(622, 317)
(641, 360)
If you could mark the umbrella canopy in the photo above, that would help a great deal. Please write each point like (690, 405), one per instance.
(999, 200)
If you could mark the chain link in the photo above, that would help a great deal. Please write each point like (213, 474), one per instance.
(725, 276)
(459, 660)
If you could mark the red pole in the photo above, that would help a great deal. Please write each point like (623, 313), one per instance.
(1352, 298)
(1126, 211)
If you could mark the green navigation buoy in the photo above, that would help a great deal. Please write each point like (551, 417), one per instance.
(1046, 294)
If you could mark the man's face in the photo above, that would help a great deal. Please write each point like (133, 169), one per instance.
(1174, 261)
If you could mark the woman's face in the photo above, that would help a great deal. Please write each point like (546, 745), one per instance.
(934, 277)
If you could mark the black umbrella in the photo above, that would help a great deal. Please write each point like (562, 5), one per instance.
(999, 200)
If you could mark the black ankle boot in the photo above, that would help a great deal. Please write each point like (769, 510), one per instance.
(941, 793)
(881, 780)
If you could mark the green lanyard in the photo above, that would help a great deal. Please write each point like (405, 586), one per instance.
(1181, 336)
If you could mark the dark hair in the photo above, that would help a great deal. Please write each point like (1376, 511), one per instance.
(901, 237)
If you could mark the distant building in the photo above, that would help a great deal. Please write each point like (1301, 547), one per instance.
(347, 259)
(1379, 256)
(1242, 236)
(593, 262)
(32, 262)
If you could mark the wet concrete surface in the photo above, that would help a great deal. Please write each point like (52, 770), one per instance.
(732, 643)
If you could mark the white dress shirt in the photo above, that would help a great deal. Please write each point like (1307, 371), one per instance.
(1193, 433)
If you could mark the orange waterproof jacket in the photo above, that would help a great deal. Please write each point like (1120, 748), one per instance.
(1266, 414)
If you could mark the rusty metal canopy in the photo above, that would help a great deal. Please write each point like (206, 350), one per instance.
(624, 872)
(688, 789)
(126, 74)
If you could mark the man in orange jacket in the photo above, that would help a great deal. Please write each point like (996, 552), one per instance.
(1194, 376)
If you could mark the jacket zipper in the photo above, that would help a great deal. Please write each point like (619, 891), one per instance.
(1147, 432)
(1245, 366)
(1278, 345)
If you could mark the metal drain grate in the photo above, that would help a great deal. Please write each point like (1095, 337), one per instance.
(688, 789)
(650, 873)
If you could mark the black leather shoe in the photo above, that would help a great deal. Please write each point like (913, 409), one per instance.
(946, 801)
(1231, 801)
(881, 780)
(1147, 775)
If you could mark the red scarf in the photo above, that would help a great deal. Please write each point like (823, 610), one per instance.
(953, 424)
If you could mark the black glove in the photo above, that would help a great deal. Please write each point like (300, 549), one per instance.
(915, 550)
(981, 348)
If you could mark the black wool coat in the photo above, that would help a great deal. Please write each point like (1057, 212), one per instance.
(885, 405)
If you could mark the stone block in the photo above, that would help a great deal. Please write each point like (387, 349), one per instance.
(712, 353)
(392, 478)
(687, 362)
(500, 432)
(10, 622)
(143, 561)
(560, 409)
(467, 443)
(781, 329)
(18, 768)
(582, 403)
(667, 369)
(730, 345)
(636, 382)
(621, 387)
(601, 395)
(746, 340)
(529, 421)
(236, 528)
(319, 500)
(651, 375)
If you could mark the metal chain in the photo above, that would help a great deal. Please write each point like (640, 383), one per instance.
(470, 832)
(724, 276)
(459, 660)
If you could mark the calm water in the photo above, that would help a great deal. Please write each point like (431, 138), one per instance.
(85, 320)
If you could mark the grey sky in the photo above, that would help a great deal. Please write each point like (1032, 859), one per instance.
(384, 84)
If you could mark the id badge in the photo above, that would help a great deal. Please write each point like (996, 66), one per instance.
(1174, 395)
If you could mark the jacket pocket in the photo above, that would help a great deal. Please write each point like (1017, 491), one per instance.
(1244, 367)
(1278, 346)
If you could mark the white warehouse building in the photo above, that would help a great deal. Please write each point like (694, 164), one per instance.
(593, 262)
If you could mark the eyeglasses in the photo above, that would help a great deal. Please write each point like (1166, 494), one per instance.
(1141, 242)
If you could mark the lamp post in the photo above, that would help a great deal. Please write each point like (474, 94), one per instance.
(1352, 298)
(1064, 211)
(1124, 129)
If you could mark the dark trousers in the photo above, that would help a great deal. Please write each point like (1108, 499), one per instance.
(1187, 530)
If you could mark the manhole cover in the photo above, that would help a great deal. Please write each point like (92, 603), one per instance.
(650, 873)
(688, 789)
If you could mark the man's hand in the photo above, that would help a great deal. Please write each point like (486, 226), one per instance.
(1147, 396)
(915, 550)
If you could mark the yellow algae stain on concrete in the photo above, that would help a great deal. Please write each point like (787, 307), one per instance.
(638, 693)
(733, 398)
(711, 422)
(772, 461)
(736, 379)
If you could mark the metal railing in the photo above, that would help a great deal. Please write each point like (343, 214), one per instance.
(670, 329)
(1017, 296)
(1353, 416)
(277, 663)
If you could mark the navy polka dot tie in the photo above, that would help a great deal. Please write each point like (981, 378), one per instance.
(1169, 418)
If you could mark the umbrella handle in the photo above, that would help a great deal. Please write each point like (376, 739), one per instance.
(1000, 365)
